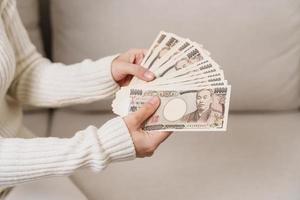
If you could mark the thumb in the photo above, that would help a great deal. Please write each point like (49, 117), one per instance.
(146, 110)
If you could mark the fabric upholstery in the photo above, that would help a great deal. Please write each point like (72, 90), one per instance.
(37, 122)
(29, 12)
(257, 158)
(61, 188)
(256, 42)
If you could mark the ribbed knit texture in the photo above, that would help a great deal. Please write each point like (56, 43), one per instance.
(28, 78)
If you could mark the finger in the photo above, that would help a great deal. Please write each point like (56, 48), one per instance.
(146, 110)
(138, 51)
(139, 58)
(132, 54)
(132, 58)
(137, 55)
(142, 55)
(125, 81)
(145, 51)
(136, 70)
(158, 137)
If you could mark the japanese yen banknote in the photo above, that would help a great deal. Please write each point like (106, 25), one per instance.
(192, 88)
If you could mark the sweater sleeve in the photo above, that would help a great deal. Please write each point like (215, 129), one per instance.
(23, 160)
(39, 82)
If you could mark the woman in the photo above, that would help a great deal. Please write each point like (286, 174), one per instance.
(27, 78)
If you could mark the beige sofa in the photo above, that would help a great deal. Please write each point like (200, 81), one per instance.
(258, 45)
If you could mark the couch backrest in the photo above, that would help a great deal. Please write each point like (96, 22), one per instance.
(256, 42)
(29, 13)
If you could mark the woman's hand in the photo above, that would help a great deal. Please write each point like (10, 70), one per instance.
(127, 65)
(145, 142)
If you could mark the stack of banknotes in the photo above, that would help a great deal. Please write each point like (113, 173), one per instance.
(191, 85)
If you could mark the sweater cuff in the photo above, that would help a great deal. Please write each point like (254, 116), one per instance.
(116, 140)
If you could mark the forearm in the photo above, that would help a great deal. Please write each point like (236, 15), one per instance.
(54, 84)
(23, 160)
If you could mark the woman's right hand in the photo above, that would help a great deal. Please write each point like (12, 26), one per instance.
(145, 142)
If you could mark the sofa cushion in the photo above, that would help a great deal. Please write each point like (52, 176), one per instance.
(257, 158)
(37, 122)
(61, 188)
(257, 43)
(29, 13)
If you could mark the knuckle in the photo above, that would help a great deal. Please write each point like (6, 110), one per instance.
(116, 63)
(150, 149)
(148, 105)
(149, 154)
(139, 70)
(149, 108)
(131, 119)
(147, 150)
(134, 119)
(143, 112)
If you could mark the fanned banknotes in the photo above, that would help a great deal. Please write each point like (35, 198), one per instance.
(194, 93)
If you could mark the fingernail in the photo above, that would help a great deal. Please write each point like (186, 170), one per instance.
(149, 75)
(154, 100)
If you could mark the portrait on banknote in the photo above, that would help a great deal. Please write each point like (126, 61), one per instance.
(209, 109)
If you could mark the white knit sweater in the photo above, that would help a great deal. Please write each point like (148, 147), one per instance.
(27, 78)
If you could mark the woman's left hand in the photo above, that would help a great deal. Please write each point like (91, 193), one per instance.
(127, 65)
